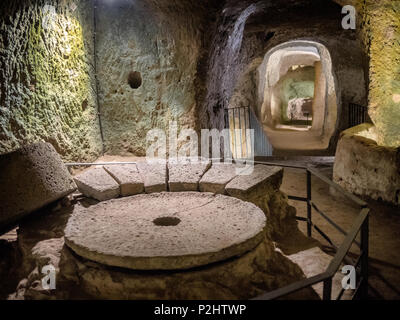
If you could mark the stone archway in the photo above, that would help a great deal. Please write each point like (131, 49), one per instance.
(326, 99)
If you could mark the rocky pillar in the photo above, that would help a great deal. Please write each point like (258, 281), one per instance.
(380, 30)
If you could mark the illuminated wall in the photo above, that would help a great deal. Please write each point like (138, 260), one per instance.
(380, 27)
(162, 40)
(47, 87)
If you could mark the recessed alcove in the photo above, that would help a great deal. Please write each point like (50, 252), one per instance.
(297, 78)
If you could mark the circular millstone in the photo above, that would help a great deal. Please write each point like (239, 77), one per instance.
(165, 231)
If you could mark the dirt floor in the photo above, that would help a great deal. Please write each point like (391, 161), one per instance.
(384, 244)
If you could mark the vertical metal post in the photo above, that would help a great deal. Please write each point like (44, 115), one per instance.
(234, 134)
(353, 116)
(246, 110)
(240, 136)
(327, 294)
(225, 117)
(364, 258)
(309, 217)
(349, 115)
(364, 115)
(358, 115)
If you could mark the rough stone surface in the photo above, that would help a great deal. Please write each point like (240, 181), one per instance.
(47, 86)
(242, 185)
(44, 253)
(262, 269)
(154, 175)
(379, 28)
(261, 187)
(185, 174)
(31, 178)
(365, 168)
(165, 230)
(128, 177)
(163, 41)
(217, 177)
(281, 216)
(259, 270)
(297, 83)
(313, 262)
(297, 109)
(98, 184)
(247, 30)
(40, 241)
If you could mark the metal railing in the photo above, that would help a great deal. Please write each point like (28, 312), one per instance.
(238, 120)
(357, 114)
(360, 225)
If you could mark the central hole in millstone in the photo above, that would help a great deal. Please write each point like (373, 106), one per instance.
(166, 221)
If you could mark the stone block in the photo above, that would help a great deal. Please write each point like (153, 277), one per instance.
(154, 175)
(365, 168)
(262, 177)
(165, 231)
(185, 174)
(217, 177)
(98, 184)
(31, 178)
(314, 261)
(128, 177)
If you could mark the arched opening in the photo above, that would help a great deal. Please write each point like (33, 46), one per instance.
(298, 100)
(294, 95)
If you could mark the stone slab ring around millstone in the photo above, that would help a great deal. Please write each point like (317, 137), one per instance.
(165, 231)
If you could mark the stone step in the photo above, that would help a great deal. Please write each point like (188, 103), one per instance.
(98, 184)
(314, 261)
(154, 175)
(128, 177)
(242, 185)
(110, 181)
(184, 175)
(217, 177)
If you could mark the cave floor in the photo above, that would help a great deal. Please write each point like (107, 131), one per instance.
(384, 224)
(384, 281)
(295, 138)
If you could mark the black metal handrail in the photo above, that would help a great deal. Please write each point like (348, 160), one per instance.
(361, 224)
